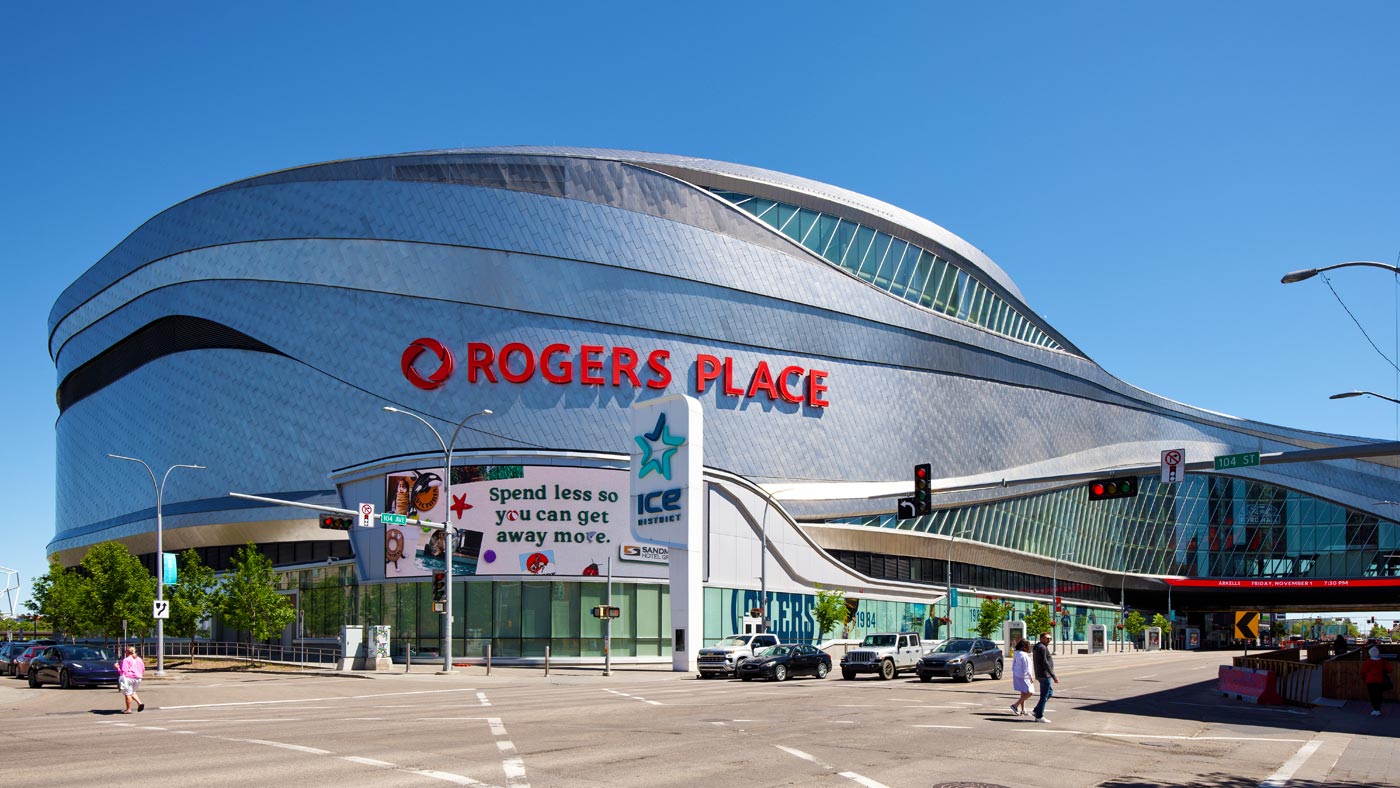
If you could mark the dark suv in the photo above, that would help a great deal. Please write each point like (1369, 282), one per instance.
(962, 658)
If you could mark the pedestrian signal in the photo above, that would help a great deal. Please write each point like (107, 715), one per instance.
(1107, 489)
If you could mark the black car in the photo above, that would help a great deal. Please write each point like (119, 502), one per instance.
(783, 660)
(962, 658)
(72, 666)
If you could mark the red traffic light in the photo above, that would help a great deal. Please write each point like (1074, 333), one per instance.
(1107, 489)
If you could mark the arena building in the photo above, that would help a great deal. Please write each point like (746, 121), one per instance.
(833, 342)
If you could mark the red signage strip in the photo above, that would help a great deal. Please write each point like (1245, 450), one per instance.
(1360, 582)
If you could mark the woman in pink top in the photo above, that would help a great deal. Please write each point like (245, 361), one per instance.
(130, 670)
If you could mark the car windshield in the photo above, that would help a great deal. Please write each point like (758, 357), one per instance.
(954, 647)
(83, 652)
(878, 641)
(734, 640)
(776, 651)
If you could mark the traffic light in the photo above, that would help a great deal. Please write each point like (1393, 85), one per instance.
(607, 611)
(439, 586)
(1058, 607)
(333, 522)
(1107, 489)
(923, 492)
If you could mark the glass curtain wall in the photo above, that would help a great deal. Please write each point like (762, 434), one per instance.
(902, 268)
(1205, 526)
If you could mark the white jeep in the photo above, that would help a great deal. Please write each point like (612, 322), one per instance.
(886, 654)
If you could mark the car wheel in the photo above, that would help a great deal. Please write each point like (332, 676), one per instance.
(925, 677)
(967, 673)
(887, 670)
(996, 670)
(64, 680)
(33, 680)
(780, 673)
(746, 678)
(821, 670)
(847, 674)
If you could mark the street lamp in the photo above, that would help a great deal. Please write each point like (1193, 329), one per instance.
(948, 576)
(1054, 599)
(1308, 273)
(449, 533)
(1123, 605)
(769, 502)
(1348, 394)
(160, 551)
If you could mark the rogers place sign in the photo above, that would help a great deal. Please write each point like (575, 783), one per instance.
(617, 366)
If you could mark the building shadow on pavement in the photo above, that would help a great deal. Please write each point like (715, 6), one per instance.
(1228, 781)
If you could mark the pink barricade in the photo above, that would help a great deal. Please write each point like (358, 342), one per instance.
(1249, 684)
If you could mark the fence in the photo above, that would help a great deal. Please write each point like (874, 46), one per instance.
(305, 656)
(1294, 680)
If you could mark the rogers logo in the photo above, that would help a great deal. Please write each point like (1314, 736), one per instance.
(414, 350)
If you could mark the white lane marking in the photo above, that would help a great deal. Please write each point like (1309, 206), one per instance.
(796, 753)
(1285, 772)
(282, 745)
(481, 696)
(842, 722)
(962, 703)
(717, 723)
(635, 697)
(955, 727)
(515, 772)
(741, 720)
(184, 732)
(446, 776)
(497, 729)
(505, 745)
(368, 762)
(151, 728)
(959, 708)
(1148, 676)
(313, 700)
(866, 781)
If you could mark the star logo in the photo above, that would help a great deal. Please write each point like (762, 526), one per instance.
(459, 505)
(661, 438)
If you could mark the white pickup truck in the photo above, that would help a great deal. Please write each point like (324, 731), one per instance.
(724, 657)
(885, 654)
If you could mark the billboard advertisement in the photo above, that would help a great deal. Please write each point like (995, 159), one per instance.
(533, 520)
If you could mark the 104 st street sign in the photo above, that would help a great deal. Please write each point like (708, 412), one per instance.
(1227, 461)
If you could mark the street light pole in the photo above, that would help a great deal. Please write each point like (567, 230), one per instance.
(1054, 600)
(769, 502)
(1308, 273)
(948, 575)
(160, 551)
(1123, 606)
(1346, 394)
(449, 532)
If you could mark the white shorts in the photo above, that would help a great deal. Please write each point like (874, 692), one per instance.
(128, 685)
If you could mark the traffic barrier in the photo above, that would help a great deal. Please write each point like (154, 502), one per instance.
(1249, 684)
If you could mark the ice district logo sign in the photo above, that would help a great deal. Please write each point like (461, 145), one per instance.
(658, 446)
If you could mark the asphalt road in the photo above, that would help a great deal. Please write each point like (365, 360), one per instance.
(1117, 720)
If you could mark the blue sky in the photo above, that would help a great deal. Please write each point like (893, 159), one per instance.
(1145, 173)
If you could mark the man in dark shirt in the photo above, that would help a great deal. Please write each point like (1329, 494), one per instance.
(1044, 673)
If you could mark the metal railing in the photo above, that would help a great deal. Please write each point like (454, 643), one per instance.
(303, 655)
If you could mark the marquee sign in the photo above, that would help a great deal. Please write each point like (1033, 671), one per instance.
(617, 366)
(1363, 582)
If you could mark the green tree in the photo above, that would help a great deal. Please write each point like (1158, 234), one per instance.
(58, 595)
(989, 616)
(1038, 620)
(829, 610)
(250, 599)
(1163, 623)
(1377, 631)
(193, 599)
(1134, 624)
(118, 589)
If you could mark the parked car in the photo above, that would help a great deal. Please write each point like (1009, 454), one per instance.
(17, 664)
(20, 666)
(10, 651)
(962, 658)
(72, 666)
(724, 657)
(886, 654)
(784, 660)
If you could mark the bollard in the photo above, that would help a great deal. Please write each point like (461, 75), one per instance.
(546, 660)
(408, 657)
(488, 659)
